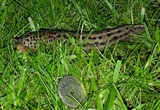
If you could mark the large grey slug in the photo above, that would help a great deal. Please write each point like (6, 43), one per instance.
(97, 39)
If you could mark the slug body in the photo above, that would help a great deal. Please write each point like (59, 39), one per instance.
(94, 40)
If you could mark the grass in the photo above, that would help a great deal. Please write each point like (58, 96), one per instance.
(125, 76)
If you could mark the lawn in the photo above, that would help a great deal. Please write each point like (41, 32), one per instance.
(125, 76)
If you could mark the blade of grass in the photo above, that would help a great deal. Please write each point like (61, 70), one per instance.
(116, 71)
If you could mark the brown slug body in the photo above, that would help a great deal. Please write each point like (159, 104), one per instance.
(95, 39)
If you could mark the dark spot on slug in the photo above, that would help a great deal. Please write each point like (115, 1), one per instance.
(39, 36)
(126, 34)
(127, 28)
(33, 37)
(109, 34)
(64, 36)
(59, 36)
(103, 43)
(119, 31)
(50, 37)
(120, 36)
(100, 37)
(50, 31)
(83, 37)
(96, 43)
(114, 38)
(23, 42)
(92, 38)
(131, 30)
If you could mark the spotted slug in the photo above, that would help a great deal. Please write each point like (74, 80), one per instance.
(95, 40)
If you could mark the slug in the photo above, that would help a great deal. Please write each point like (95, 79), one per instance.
(96, 40)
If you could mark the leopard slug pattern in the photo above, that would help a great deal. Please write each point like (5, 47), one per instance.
(96, 40)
